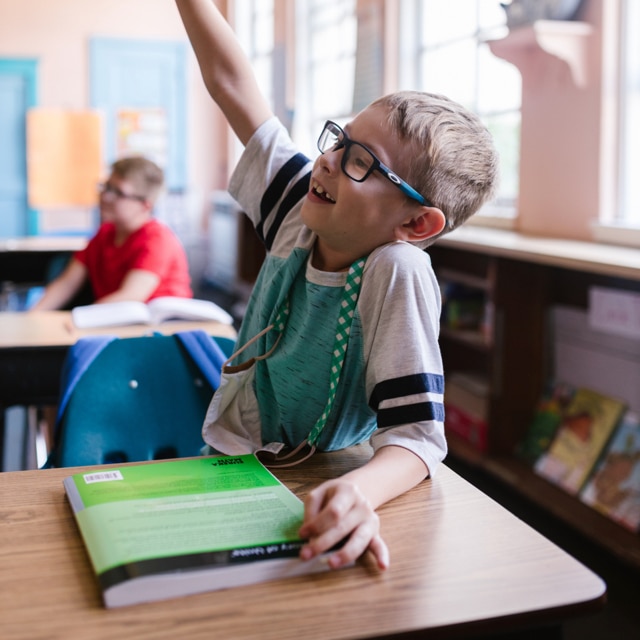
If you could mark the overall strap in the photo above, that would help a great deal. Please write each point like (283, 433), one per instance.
(277, 459)
(343, 329)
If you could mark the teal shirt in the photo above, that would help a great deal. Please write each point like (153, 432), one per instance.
(292, 385)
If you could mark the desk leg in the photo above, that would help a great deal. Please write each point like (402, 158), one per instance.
(2, 436)
(29, 376)
(24, 437)
(13, 437)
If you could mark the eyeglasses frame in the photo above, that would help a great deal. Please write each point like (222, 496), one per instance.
(344, 141)
(118, 194)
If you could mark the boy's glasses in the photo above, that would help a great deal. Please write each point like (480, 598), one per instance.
(358, 163)
(110, 189)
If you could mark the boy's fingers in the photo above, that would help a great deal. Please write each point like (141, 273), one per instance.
(327, 506)
(356, 546)
(380, 552)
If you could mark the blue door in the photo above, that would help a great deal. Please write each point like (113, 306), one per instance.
(142, 74)
(18, 81)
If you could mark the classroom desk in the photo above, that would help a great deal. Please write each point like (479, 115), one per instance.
(33, 347)
(461, 566)
(26, 260)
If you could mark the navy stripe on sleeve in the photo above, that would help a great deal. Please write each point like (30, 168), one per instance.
(298, 191)
(405, 414)
(417, 384)
(276, 189)
(406, 386)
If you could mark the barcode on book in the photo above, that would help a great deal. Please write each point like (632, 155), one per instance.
(102, 476)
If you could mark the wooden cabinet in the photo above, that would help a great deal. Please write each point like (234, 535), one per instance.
(508, 349)
(521, 279)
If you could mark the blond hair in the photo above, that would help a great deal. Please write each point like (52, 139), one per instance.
(146, 175)
(453, 161)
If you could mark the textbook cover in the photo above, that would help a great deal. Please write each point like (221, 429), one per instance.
(614, 487)
(160, 530)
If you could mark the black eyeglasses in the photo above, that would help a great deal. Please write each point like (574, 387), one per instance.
(358, 163)
(109, 189)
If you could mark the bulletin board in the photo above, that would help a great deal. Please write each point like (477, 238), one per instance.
(64, 157)
(143, 132)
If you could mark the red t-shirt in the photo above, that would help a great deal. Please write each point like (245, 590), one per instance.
(153, 247)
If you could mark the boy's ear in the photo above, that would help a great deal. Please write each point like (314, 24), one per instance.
(424, 222)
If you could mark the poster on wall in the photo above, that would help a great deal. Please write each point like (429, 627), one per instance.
(143, 131)
(64, 157)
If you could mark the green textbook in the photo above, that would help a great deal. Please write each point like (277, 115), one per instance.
(162, 530)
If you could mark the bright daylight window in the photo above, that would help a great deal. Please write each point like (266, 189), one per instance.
(443, 50)
(325, 46)
(629, 212)
(453, 59)
(325, 58)
(254, 26)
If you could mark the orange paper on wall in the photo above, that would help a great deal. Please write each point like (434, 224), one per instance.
(64, 157)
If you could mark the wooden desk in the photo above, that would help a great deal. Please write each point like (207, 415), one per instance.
(460, 565)
(56, 329)
(26, 260)
(33, 347)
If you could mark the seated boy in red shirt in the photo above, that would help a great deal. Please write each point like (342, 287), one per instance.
(132, 256)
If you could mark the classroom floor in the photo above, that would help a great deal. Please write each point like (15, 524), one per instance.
(620, 618)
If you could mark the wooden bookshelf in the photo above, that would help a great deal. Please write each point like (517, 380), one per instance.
(513, 473)
(523, 277)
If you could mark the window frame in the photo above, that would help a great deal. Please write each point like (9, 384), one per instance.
(613, 226)
(629, 117)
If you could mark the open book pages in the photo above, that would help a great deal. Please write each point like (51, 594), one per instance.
(158, 310)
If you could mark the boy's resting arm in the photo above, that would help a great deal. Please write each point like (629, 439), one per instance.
(137, 285)
(225, 68)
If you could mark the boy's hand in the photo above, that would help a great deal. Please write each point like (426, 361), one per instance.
(338, 510)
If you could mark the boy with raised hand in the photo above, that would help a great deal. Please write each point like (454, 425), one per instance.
(340, 340)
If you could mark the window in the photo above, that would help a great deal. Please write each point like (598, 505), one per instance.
(325, 72)
(254, 25)
(445, 51)
(253, 22)
(629, 211)
(325, 44)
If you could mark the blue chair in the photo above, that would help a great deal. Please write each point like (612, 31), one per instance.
(134, 399)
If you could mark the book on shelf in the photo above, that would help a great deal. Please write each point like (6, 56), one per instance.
(466, 399)
(545, 422)
(586, 427)
(613, 488)
(168, 529)
(463, 307)
(111, 314)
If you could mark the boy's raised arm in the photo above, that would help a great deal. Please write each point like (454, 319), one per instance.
(225, 68)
